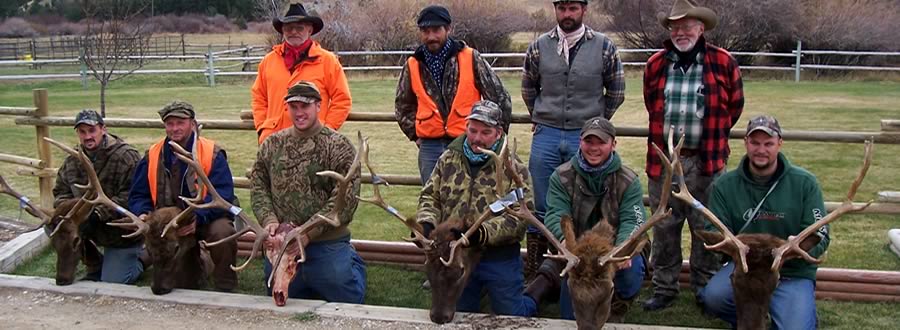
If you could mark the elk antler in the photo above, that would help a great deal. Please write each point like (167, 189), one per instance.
(25, 203)
(523, 213)
(331, 217)
(793, 244)
(377, 200)
(662, 212)
(101, 198)
(217, 202)
(464, 240)
(684, 195)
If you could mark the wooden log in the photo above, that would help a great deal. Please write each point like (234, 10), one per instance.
(17, 111)
(867, 288)
(858, 276)
(859, 297)
(390, 257)
(400, 180)
(399, 248)
(136, 123)
(19, 160)
(45, 184)
(42, 173)
(890, 125)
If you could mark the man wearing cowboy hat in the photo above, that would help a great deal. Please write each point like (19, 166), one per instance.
(438, 86)
(298, 58)
(692, 89)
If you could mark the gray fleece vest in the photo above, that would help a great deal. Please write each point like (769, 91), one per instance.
(570, 95)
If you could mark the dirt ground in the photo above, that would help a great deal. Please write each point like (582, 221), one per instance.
(26, 309)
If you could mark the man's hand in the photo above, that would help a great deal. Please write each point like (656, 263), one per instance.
(533, 127)
(418, 142)
(624, 265)
(143, 216)
(187, 230)
(272, 228)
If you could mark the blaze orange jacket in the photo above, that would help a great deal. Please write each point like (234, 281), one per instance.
(205, 153)
(273, 80)
(429, 122)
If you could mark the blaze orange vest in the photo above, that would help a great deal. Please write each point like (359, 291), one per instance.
(429, 122)
(205, 149)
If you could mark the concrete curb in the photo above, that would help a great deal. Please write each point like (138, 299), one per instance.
(21, 249)
(294, 306)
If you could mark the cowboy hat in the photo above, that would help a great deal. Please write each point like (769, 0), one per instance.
(687, 8)
(296, 13)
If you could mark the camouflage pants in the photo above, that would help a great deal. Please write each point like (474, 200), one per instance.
(666, 255)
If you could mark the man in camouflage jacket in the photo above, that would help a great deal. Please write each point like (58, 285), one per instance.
(286, 190)
(460, 189)
(114, 161)
(435, 68)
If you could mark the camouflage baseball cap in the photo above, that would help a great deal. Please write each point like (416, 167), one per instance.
(486, 112)
(178, 109)
(88, 116)
(599, 127)
(303, 91)
(764, 123)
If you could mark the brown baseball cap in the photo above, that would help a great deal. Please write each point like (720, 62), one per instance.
(303, 91)
(178, 109)
(599, 127)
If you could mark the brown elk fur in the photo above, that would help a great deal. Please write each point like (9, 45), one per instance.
(753, 289)
(448, 282)
(590, 284)
(67, 241)
(177, 259)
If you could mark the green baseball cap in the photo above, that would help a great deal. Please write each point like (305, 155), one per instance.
(178, 109)
(486, 112)
(599, 127)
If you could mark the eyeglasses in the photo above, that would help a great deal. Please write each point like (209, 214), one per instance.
(682, 27)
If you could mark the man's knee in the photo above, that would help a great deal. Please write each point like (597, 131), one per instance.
(219, 229)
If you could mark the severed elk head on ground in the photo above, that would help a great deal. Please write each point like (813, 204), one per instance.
(449, 261)
(70, 214)
(758, 257)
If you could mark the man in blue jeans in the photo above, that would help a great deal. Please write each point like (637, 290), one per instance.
(571, 73)
(114, 161)
(592, 186)
(461, 188)
(767, 194)
(438, 86)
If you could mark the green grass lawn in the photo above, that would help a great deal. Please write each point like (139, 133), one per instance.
(858, 241)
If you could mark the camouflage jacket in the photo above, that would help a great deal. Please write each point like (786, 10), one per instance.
(114, 163)
(454, 193)
(286, 188)
(487, 83)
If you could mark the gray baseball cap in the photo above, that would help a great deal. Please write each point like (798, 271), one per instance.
(88, 116)
(486, 112)
(764, 123)
(599, 127)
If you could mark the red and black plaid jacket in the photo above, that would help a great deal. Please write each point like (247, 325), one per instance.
(724, 104)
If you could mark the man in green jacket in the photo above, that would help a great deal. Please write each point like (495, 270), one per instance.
(591, 186)
(460, 188)
(766, 194)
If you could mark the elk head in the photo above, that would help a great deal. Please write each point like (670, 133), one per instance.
(68, 221)
(176, 259)
(295, 241)
(754, 284)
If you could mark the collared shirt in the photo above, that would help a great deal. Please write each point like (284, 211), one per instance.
(685, 101)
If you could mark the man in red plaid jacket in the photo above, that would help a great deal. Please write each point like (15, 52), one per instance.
(692, 89)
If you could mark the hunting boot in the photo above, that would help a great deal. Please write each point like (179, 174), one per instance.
(546, 282)
(618, 308)
(536, 246)
(93, 262)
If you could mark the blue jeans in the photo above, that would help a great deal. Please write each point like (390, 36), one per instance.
(121, 265)
(793, 303)
(429, 152)
(627, 284)
(550, 147)
(504, 283)
(333, 271)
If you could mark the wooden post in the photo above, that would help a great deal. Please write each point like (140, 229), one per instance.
(890, 125)
(45, 184)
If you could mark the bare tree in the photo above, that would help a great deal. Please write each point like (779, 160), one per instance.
(114, 41)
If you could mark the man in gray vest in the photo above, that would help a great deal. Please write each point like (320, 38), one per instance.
(572, 73)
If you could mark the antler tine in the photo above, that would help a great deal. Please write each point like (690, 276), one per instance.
(217, 202)
(847, 206)
(29, 207)
(344, 181)
(499, 167)
(685, 196)
(662, 212)
(378, 200)
(101, 198)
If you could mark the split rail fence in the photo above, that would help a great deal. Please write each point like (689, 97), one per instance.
(838, 284)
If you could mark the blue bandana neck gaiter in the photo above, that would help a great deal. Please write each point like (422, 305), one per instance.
(593, 170)
(478, 159)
